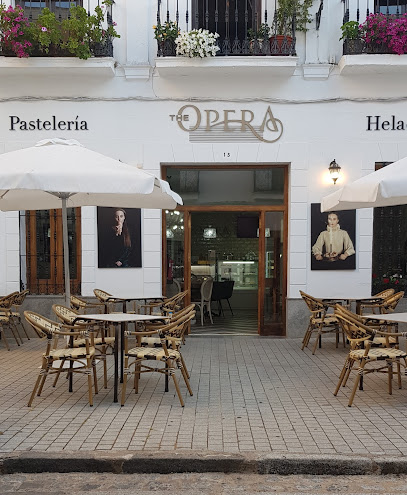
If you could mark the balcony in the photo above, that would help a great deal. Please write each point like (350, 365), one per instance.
(377, 44)
(41, 39)
(250, 41)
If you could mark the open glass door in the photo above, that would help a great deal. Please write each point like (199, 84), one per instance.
(273, 307)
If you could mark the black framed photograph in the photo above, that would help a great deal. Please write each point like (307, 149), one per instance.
(333, 239)
(119, 237)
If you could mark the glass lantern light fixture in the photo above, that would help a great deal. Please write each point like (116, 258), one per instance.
(209, 233)
(334, 170)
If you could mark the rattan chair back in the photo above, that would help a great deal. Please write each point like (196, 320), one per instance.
(42, 325)
(7, 301)
(390, 303)
(102, 295)
(20, 297)
(64, 314)
(385, 293)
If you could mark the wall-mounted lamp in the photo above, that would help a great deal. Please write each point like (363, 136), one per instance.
(334, 170)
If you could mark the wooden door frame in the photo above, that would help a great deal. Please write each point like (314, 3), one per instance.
(261, 209)
(56, 250)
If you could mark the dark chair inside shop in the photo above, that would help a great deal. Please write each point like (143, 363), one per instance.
(222, 291)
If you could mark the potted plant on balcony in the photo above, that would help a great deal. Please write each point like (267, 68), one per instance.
(46, 35)
(101, 32)
(15, 35)
(197, 43)
(166, 34)
(385, 34)
(283, 24)
(256, 39)
(351, 36)
(375, 33)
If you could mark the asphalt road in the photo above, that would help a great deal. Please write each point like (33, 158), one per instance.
(191, 484)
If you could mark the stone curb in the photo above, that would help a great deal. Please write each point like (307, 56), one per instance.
(193, 462)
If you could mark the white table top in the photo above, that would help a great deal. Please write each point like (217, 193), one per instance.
(350, 298)
(133, 297)
(119, 317)
(396, 317)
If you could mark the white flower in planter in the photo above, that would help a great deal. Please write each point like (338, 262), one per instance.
(197, 43)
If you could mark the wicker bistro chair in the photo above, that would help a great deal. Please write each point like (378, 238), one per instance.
(390, 303)
(6, 312)
(370, 359)
(174, 303)
(101, 343)
(103, 298)
(6, 322)
(81, 360)
(371, 307)
(177, 328)
(83, 307)
(319, 322)
(204, 304)
(137, 357)
(15, 310)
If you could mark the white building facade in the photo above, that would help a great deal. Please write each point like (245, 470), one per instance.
(319, 105)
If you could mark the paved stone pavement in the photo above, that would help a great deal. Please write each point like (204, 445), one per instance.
(251, 395)
(198, 484)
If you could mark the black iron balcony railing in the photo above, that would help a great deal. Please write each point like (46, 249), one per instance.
(244, 27)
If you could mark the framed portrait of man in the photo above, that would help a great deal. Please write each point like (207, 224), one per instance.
(332, 239)
(119, 237)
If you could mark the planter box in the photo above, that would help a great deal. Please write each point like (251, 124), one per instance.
(44, 66)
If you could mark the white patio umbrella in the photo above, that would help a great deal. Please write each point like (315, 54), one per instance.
(58, 173)
(385, 187)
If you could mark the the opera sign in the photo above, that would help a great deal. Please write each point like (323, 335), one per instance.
(228, 125)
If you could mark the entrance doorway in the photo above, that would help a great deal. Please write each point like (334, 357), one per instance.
(241, 248)
(225, 247)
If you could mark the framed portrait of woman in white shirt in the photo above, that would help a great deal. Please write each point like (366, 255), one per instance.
(332, 239)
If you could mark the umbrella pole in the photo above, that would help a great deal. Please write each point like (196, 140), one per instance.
(66, 252)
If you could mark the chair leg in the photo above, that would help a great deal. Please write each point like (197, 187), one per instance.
(58, 372)
(177, 389)
(185, 375)
(201, 309)
(208, 305)
(12, 329)
(24, 329)
(18, 333)
(184, 366)
(95, 377)
(90, 365)
(4, 339)
(42, 384)
(37, 382)
(390, 376)
(230, 307)
(399, 374)
(357, 380)
(318, 339)
(350, 367)
(341, 377)
(307, 336)
(126, 365)
(137, 371)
